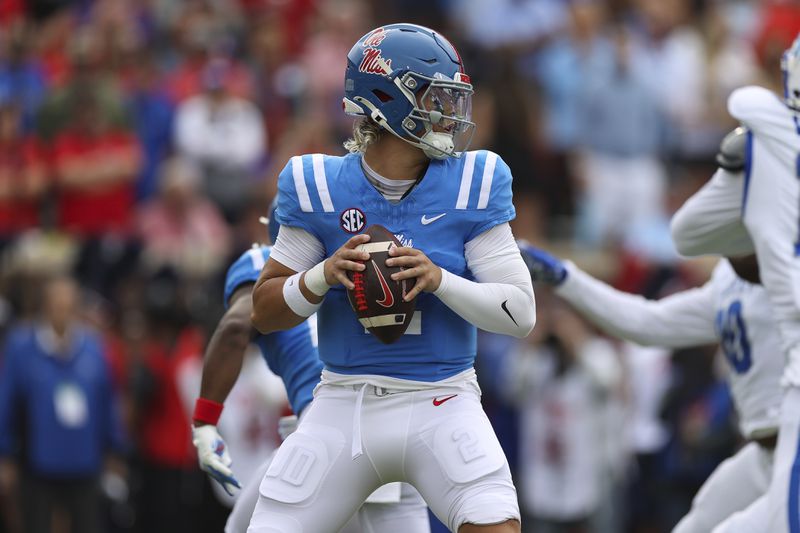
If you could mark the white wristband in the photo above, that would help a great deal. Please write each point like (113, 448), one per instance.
(295, 299)
(315, 279)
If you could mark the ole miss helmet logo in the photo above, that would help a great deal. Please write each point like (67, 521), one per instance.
(374, 63)
(352, 220)
(375, 38)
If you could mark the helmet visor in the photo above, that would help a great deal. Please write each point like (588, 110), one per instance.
(448, 108)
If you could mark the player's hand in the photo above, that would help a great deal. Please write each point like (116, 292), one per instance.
(544, 268)
(212, 453)
(417, 265)
(346, 259)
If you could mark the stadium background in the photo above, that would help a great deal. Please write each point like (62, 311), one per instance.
(139, 145)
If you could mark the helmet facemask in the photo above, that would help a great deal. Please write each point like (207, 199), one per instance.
(442, 110)
(790, 66)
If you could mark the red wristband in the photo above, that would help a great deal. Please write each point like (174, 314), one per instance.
(207, 411)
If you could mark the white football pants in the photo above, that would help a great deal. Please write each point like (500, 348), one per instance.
(399, 509)
(353, 439)
(779, 510)
(736, 483)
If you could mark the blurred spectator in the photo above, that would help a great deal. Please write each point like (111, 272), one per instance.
(677, 56)
(565, 379)
(22, 80)
(648, 378)
(83, 72)
(730, 63)
(23, 176)
(95, 165)
(224, 136)
(699, 411)
(181, 229)
(621, 129)
(57, 400)
(204, 32)
(153, 113)
(507, 23)
(780, 23)
(170, 493)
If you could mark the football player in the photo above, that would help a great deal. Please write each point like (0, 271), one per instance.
(408, 411)
(769, 211)
(728, 309)
(293, 356)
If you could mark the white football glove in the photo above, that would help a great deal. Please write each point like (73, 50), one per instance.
(212, 453)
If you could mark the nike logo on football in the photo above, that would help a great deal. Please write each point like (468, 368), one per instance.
(425, 220)
(437, 401)
(388, 299)
(503, 306)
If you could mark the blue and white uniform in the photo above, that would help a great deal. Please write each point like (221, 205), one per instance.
(292, 355)
(408, 411)
(330, 198)
(764, 203)
(738, 315)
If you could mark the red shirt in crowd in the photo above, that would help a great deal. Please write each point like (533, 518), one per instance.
(106, 203)
(165, 433)
(23, 174)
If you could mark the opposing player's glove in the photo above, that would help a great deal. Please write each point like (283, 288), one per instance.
(212, 453)
(544, 268)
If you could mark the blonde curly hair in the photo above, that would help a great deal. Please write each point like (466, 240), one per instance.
(365, 132)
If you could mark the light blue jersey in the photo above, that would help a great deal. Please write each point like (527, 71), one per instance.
(290, 354)
(457, 200)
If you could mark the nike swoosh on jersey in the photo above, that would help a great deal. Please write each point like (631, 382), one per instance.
(388, 298)
(425, 220)
(437, 402)
(503, 306)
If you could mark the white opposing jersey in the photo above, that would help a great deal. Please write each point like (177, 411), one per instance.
(727, 309)
(771, 207)
(749, 339)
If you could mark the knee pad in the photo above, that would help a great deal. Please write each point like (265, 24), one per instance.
(467, 449)
(301, 463)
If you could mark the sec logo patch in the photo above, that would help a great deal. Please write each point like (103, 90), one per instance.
(352, 220)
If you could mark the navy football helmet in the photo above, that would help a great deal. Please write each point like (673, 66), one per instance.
(411, 81)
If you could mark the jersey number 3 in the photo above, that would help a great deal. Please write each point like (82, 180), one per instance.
(733, 337)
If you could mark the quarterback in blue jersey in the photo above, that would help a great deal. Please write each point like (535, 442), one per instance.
(408, 411)
(292, 355)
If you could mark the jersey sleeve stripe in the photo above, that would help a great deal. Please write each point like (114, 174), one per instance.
(748, 168)
(322, 182)
(300, 185)
(486, 180)
(466, 180)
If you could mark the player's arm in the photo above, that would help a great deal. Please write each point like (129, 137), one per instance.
(221, 367)
(500, 301)
(709, 222)
(296, 278)
(226, 349)
(677, 321)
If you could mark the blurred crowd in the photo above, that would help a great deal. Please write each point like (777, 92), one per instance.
(139, 145)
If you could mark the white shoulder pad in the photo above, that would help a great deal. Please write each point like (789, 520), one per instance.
(753, 105)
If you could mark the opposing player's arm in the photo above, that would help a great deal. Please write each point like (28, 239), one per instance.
(677, 321)
(709, 222)
(501, 300)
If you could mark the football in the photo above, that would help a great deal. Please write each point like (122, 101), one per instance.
(377, 299)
